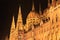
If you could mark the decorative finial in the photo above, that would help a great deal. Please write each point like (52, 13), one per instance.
(19, 14)
(33, 8)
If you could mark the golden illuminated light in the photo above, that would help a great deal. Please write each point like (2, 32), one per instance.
(26, 27)
(12, 31)
(47, 31)
(19, 20)
(32, 18)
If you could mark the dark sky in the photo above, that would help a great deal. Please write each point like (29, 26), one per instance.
(10, 8)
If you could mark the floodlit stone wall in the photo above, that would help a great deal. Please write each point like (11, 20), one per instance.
(44, 32)
(35, 28)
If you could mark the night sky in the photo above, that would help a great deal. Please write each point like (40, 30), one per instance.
(10, 8)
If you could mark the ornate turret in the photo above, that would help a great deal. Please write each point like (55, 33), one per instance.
(12, 30)
(19, 20)
(19, 26)
(30, 15)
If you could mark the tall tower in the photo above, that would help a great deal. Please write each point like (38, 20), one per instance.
(19, 20)
(29, 23)
(31, 15)
(12, 30)
(20, 25)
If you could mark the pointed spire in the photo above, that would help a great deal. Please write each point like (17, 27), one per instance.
(12, 37)
(19, 25)
(19, 20)
(19, 14)
(33, 8)
(13, 25)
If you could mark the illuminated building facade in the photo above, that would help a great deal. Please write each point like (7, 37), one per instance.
(37, 28)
